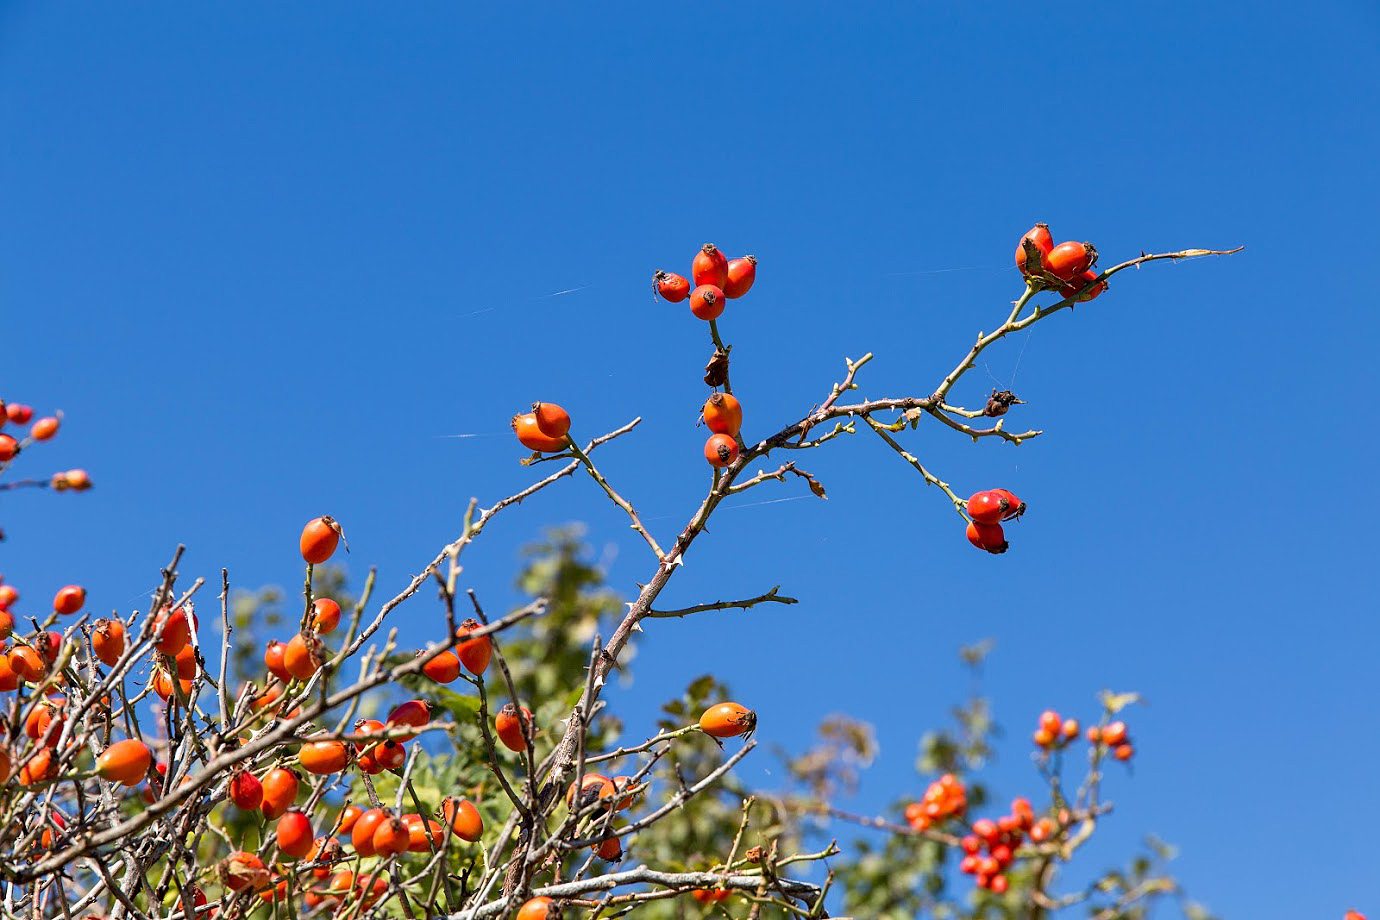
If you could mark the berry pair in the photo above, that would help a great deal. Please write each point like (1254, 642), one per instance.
(546, 428)
(724, 415)
(988, 510)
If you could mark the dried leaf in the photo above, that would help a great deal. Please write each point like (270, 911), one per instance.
(716, 371)
(1034, 258)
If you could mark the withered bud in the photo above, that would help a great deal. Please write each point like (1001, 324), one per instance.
(999, 402)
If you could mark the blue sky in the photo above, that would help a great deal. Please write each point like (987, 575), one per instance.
(267, 257)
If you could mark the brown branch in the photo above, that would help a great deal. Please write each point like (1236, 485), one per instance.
(770, 597)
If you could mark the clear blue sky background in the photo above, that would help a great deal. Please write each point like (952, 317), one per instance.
(267, 257)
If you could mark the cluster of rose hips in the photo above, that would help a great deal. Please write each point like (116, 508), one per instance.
(42, 430)
(991, 846)
(369, 832)
(945, 798)
(600, 795)
(717, 279)
(1114, 736)
(30, 658)
(1000, 839)
(987, 511)
(1066, 267)
(271, 792)
(546, 428)
(1055, 733)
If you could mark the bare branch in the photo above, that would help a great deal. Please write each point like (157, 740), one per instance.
(770, 597)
